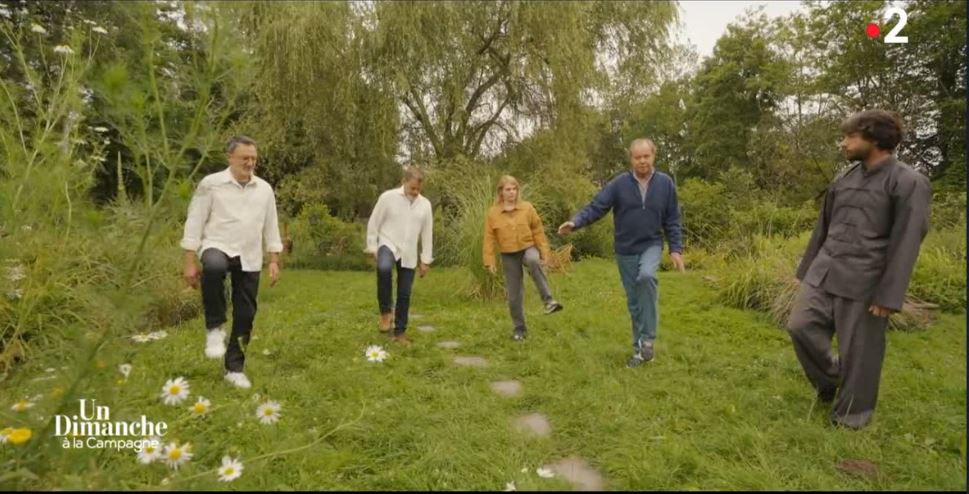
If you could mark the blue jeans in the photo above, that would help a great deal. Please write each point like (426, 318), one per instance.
(638, 274)
(385, 284)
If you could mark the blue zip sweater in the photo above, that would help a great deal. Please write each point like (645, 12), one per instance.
(639, 224)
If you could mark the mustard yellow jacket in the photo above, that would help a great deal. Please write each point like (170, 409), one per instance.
(514, 231)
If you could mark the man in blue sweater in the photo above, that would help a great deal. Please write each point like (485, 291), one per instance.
(644, 207)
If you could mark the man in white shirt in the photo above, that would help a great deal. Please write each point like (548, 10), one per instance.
(401, 217)
(232, 213)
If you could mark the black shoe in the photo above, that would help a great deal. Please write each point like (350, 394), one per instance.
(518, 335)
(827, 395)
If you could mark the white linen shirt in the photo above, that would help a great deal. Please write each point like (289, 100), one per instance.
(398, 223)
(233, 218)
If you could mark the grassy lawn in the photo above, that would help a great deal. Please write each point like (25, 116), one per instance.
(724, 406)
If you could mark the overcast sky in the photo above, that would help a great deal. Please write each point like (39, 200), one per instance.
(705, 21)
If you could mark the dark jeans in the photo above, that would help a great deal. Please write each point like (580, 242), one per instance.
(245, 286)
(385, 285)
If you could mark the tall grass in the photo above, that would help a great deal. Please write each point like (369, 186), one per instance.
(466, 234)
(80, 275)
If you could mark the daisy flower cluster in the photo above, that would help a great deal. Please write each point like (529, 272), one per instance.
(175, 392)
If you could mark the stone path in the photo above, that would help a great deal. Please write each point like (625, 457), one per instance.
(574, 470)
(535, 424)
(579, 473)
(471, 361)
(507, 388)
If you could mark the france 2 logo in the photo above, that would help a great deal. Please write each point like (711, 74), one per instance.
(874, 31)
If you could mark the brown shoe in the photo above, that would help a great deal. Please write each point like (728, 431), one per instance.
(402, 339)
(385, 323)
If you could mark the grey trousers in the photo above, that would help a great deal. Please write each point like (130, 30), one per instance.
(512, 265)
(817, 316)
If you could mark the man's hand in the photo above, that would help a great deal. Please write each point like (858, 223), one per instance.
(566, 228)
(492, 269)
(191, 274)
(422, 269)
(273, 273)
(880, 311)
(677, 259)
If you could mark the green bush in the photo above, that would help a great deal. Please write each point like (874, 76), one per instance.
(465, 234)
(948, 210)
(321, 241)
(705, 213)
(939, 276)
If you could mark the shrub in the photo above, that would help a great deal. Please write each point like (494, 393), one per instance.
(320, 241)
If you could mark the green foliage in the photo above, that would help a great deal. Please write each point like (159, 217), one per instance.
(321, 241)
(948, 210)
(464, 235)
(939, 275)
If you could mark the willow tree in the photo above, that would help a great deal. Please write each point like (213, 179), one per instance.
(328, 133)
(472, 77)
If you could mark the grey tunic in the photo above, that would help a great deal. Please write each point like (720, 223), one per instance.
(868, 235)
(862, 252)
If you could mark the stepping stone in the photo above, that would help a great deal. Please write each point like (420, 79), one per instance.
(579, 473)
(416, 317)
(534, 423)
(861, 468)
(449, 344)
(507, 388)
(471, 361)
(426, 329)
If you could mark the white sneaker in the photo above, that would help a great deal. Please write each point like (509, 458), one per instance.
(238, 380)
(215, 343)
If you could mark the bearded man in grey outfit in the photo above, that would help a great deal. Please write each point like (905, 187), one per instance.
(857, 267)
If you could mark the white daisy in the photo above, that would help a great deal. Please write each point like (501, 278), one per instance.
(63, 50)
(268, 412)
(100, 129)
(175, 391)
(150, 451)
(510, 486)
(140, 338)
(4, 12)
(22, 406)
(99, 30)
(125, 369)
(37, 28)
(175, 455)
(89, 21)
(544, 473)
(230, 470)
(375, 353)
(201, 407)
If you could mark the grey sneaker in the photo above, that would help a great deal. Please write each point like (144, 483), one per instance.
(646, 351)
(553, 306)
(634, 361)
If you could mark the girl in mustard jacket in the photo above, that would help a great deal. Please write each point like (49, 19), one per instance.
(517, 228)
